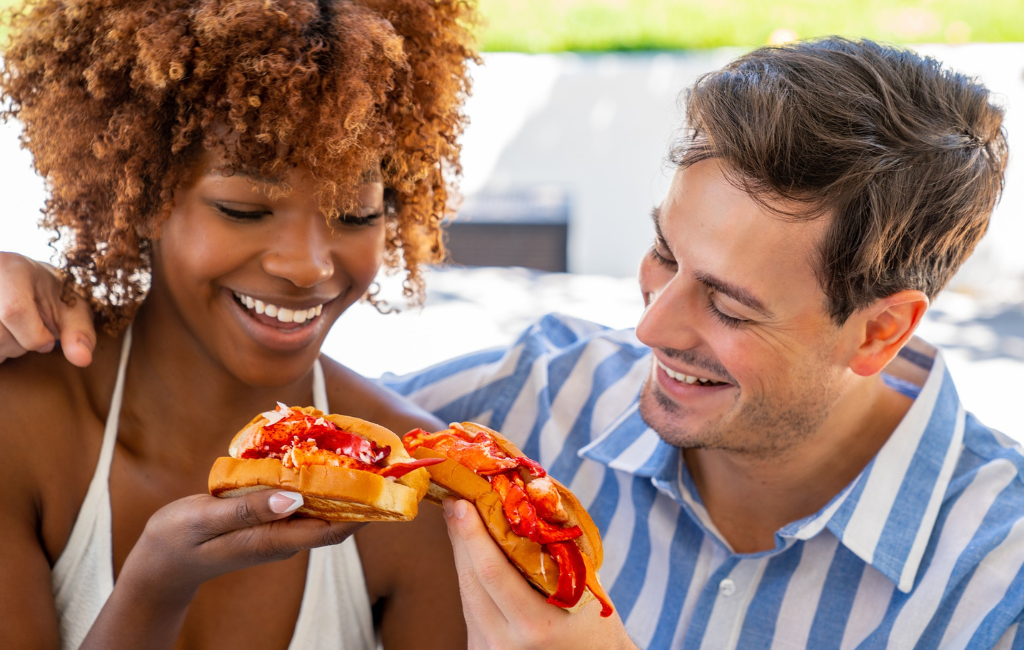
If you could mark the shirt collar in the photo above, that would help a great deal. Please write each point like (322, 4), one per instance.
(885, 516)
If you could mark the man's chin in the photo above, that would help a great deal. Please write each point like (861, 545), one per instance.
(671, 421)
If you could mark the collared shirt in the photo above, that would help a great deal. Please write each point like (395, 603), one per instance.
(924, 549)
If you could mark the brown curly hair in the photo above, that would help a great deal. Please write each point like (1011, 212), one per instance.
(118, 98)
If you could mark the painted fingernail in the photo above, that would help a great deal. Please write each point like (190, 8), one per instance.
(285, 502)
(460, 509)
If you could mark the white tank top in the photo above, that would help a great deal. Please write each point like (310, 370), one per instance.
(335, 610)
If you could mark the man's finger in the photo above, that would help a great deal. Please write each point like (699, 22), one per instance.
(77, 332)
(23, 322)
(479, 556)
(9, 346)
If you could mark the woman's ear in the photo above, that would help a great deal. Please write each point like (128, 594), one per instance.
(883, 329)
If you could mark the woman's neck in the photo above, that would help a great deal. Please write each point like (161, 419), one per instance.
(181, 404)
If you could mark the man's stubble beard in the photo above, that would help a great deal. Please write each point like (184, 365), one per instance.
(764, 427)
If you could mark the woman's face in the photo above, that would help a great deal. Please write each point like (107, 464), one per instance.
(258, 281)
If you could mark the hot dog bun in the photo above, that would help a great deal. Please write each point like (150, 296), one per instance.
(336, 493)
(452, 479)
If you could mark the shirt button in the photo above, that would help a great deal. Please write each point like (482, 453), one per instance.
(727, 587)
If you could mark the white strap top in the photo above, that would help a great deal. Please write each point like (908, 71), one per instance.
(335, 610)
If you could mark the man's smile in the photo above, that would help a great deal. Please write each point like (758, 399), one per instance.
(688, 379)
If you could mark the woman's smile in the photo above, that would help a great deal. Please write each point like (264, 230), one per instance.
(287, 329)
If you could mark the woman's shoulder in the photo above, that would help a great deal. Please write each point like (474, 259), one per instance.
(48, 426)
(352, 394)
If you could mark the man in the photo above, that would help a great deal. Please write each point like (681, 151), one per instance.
(772, 458)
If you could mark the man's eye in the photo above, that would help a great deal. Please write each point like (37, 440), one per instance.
(242, 215)
(353, 220)
(660, 258)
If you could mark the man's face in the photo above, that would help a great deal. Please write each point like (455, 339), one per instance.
(732, 298)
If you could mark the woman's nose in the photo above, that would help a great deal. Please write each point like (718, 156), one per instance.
(301, 253)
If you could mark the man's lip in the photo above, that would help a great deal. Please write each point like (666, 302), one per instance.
(680, 390)
(692, 373)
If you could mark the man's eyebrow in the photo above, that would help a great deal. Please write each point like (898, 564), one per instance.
(656, 218)
(737, 293)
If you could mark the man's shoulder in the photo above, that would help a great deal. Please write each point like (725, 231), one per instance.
(552, 340)
(991, 456)
(554, 354)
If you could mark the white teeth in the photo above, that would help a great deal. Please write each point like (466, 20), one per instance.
(678, 376)
(282, 314)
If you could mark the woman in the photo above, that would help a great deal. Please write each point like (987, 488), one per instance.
(226, 179)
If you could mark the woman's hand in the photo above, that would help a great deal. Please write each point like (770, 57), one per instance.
(502, 609)
(193, 540)
(33, 317)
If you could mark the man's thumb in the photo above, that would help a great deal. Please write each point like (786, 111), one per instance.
(77, 332)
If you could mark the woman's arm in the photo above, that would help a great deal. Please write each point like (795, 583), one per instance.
(193, 540)
(28, 617)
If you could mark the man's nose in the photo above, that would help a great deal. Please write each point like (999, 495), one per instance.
(301, 253)
(667, 321)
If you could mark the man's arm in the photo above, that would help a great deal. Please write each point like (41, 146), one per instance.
(33, 318)
(503, 610)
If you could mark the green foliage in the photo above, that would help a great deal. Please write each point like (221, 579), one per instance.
(595, 25)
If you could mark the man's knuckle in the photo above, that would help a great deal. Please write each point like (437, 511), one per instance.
(490, 574)
(13, 310)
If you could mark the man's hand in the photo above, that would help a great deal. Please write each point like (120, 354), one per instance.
(33, 317)
(502, 609)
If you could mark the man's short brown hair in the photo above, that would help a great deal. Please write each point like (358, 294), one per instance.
(905, 156)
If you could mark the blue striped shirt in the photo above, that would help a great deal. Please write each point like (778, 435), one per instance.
(923, 550)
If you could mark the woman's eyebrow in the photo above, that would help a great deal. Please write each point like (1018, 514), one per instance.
(249, 174)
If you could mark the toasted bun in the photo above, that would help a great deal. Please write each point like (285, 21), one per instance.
(451, 479)
(337, 493)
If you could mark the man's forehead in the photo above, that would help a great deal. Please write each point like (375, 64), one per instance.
(716, 230)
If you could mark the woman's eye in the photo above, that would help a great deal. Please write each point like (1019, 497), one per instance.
(354, 220)
(242, 215)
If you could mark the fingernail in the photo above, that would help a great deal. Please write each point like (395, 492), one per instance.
(447, 505)
(48, 347)
(85, 343)
(460, 509)
(285, 502)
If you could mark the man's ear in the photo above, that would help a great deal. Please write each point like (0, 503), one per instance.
(884, 328)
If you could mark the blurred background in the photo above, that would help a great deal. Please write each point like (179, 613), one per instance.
(572, 112)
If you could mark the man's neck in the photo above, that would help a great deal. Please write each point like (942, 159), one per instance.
(750, 497)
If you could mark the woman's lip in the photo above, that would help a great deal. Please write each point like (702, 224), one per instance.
(272, 333)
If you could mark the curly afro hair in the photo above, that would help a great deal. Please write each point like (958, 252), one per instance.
(118, 99)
